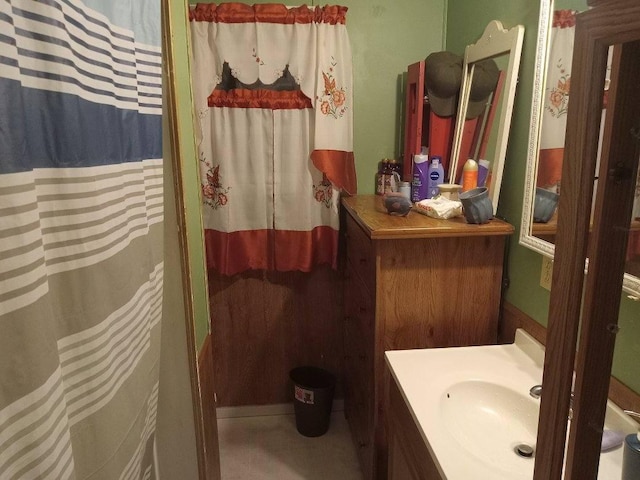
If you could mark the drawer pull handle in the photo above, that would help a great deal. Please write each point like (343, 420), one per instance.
(363, 261)
(362, 444)
(363, 309)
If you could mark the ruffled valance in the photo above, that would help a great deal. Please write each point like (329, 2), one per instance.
(267, 13)
(273, 100)
(307, 47)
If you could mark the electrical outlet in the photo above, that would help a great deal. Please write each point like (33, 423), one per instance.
(546, 272)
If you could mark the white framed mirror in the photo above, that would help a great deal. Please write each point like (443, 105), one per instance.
(500, 49)
(548, 107)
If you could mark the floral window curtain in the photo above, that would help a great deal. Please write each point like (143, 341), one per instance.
(81, 238)
(556, 101)
(273, 95)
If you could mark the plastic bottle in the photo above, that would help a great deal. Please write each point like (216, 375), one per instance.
(483, 172)
(420, 180)
(395, 165)
(380, 176)
(469, 175)
(405, 190)
(436, 177)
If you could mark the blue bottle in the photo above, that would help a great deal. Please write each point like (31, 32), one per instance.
(436, 177)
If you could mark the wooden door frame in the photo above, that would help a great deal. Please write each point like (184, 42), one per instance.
(200, 369)
(613, 22)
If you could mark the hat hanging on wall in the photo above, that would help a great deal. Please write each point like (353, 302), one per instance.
(485, 80)
(442, 78)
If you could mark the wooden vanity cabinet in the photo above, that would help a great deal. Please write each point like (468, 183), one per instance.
(411, 282)
(409, 456)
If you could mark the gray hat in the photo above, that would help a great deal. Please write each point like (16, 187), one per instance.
(485, 79)
(442, 78)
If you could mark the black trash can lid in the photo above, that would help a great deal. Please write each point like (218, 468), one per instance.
(312, 377)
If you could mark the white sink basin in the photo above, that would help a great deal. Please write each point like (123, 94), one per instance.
(473, 408)
(475, 411)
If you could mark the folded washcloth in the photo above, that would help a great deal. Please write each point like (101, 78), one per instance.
(439, 207)
(611, 439)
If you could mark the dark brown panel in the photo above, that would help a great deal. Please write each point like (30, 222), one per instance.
(209, 419)
(266, 323)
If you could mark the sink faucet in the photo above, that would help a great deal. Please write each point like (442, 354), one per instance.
(536, 392)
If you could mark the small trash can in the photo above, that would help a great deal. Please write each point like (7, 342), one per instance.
(313, 395)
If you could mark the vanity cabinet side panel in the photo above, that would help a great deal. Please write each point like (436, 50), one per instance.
(409, 456)
(361, 255)
(359, 332)
(440, 292)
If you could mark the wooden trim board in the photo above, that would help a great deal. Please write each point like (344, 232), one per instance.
(207, 392)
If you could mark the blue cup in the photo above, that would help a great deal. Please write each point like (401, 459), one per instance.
(476, 205)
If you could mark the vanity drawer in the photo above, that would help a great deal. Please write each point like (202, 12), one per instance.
(361, 254)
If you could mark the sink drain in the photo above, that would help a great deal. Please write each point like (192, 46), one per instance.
(524, 450)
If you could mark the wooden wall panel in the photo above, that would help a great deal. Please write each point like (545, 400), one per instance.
(266, 323)
(209, 419)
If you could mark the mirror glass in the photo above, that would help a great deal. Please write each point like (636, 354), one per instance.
(489, 78)
(543, 182)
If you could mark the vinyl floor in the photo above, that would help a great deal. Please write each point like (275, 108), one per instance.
(270, 448)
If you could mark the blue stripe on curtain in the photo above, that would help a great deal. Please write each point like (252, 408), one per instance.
(86, 133)
(89, 85)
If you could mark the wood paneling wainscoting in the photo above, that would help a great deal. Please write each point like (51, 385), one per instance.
(263, 324)
(513, 318)
(209, 418)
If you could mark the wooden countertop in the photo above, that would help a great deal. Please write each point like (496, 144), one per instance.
(370, 213)
(551, 227)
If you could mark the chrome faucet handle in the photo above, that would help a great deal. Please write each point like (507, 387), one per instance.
(634, 415)
(536, 391)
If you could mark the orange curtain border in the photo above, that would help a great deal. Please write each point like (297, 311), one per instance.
(549, 167)
(339, 167)
(274, 250)
(234, 12)
(564, 19)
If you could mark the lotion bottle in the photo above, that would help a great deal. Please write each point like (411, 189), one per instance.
(469, 175)
(436, 177)
(419, 183)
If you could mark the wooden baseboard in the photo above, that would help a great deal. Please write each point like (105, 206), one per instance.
(268, 410)
(513, 318)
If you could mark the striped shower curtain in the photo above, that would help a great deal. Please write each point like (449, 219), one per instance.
(81, 237)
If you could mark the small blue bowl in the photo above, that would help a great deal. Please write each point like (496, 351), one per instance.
(476, 205)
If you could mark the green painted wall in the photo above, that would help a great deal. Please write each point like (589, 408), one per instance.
(465, 23)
